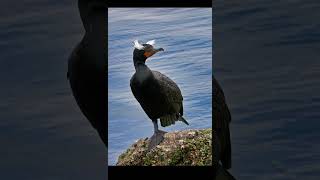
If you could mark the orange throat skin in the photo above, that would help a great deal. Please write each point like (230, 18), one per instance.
(149, 54)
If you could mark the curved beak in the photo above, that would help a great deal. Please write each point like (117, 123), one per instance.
(160, 49)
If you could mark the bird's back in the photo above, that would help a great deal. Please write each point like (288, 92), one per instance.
(88, 86)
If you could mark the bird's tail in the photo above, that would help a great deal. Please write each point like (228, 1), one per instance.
(222, 173)
(183, 120)
(171, 119)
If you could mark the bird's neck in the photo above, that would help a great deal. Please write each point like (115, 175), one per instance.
(142, 72)
(140, 67)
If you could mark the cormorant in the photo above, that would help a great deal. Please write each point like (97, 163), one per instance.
(86, 67)
(158, 95)
(221, 119)
(222, 174)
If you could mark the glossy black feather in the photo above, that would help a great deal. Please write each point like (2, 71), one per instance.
(159, 96)
(86, 68)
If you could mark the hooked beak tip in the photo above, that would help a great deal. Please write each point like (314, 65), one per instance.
(160, 49)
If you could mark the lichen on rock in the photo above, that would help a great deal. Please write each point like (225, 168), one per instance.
(180, 148)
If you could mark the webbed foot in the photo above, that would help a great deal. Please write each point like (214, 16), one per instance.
(156, 139)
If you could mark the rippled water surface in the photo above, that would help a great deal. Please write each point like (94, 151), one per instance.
(267, 61)
(43, 134)
(186, 36)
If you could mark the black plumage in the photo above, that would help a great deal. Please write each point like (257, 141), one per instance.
(86, 68)
(158, 95)
(221, 119)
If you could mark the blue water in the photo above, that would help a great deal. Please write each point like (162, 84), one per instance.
(267, 61)
(43, 134)
(186, 36)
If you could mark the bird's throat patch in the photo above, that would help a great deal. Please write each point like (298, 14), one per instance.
(148, 54)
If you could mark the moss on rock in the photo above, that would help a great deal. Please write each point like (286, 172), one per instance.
(181, 148)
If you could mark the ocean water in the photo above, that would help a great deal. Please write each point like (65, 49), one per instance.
(186, 36)
(267, 61)
(43, 134)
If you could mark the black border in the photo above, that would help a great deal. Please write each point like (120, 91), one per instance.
(160, 3)
(161, 172)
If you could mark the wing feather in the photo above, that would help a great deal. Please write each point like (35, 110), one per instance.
(169, 88)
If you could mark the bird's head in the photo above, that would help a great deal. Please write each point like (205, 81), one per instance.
(143, 51)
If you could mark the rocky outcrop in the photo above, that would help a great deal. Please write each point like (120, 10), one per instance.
(181, 148)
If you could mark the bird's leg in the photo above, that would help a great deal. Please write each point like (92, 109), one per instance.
(157, 136)
(156, 129)
(155, 126)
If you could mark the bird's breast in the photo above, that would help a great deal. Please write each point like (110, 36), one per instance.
(142, 76)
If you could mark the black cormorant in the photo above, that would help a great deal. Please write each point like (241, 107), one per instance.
(221, 119)
(87, 67)
(158, 95)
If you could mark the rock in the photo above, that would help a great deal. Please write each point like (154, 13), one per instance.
(181, 148)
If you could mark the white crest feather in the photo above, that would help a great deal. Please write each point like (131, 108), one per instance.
(137, 45)
(152, 42)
